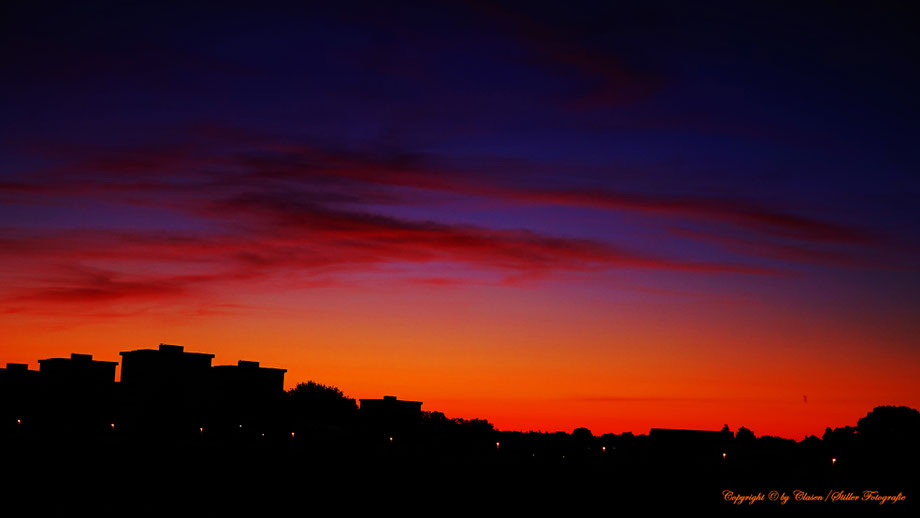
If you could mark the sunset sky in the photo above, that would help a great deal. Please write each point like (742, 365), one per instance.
(612, 216)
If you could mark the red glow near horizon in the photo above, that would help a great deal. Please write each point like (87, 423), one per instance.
(525, 363)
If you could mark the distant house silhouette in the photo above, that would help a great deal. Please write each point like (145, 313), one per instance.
(245, 396)
(248, 379)
(390, 413)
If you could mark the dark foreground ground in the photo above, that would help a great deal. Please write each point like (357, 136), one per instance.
(119, 476)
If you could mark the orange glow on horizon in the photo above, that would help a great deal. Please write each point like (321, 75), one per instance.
(526, 364)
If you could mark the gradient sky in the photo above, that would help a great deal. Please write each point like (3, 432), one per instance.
(618, 216)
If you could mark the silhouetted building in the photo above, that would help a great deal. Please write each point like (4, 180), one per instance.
(17, 375)
(76, 394)
(248, 379)
(18, 392)
(164, 390)
(15, 369)
(80, 370)
(390, 412)
(245, 395)
(166, 367)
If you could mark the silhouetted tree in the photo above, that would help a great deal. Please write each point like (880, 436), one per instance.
(320, 404)
(475, 425)
(847, 433)
(744, 434)
(434, 418)
(313, 390)
(582, 433)
(437, 422)
(812, 441)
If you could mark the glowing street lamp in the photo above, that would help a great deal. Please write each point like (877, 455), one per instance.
(113, 426)
(292, 435)
(603, 449)
(833, 461)
(723, 455)
(498, 445)
(391, 439)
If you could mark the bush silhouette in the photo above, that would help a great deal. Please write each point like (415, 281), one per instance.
(316, 403)
(890, 423)
(744, 434)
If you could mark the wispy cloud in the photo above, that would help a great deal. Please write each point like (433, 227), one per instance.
(276, 206)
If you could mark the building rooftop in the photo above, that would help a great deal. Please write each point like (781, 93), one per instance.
(169, 349)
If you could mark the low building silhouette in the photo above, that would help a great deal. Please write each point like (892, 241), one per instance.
(18, 392)
(164, 368)
(248, 379)
(390, 413)
(164, 390)
(80, 370)
(76, 394)
(245, 395)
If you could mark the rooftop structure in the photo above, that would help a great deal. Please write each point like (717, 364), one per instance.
(248, 378)
(390, 411)
(168, 365)
(78, 370)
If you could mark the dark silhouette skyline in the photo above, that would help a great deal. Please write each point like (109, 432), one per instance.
(171, 385)
(173, 413)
